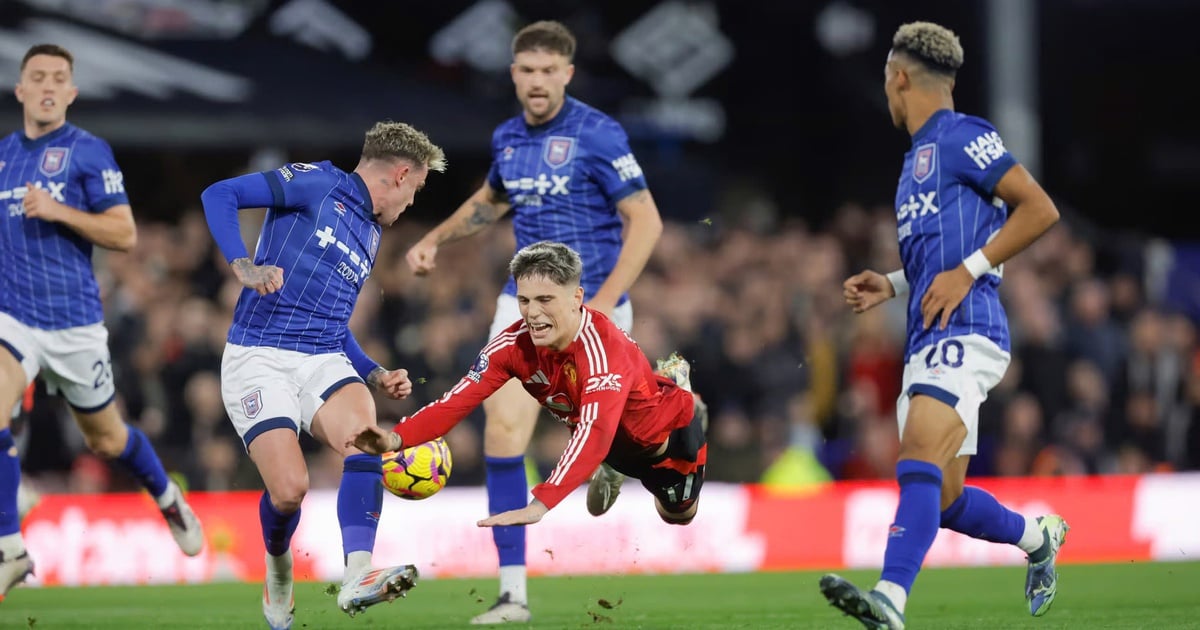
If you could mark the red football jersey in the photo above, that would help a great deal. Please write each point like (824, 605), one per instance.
(600, 385)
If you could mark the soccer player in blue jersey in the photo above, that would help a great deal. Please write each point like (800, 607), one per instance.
(566, 172)
(291, 362)
(964, 206)
(61, 193)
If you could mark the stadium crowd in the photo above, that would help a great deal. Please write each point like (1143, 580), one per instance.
(1105, 378)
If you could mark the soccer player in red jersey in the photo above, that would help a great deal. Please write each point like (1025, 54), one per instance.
(593, 377)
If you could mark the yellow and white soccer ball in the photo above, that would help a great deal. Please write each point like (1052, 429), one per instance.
(419, 471)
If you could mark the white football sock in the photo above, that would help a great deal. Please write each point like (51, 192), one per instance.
(1033, 538)
(357, 563)
(168, 496)
(894, 592)
(279, 569)
(512, 581)
(12, 545)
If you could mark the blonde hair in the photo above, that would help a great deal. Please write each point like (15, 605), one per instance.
(389, 140)
(934, 46)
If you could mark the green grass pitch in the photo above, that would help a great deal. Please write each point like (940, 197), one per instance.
(1136, 595)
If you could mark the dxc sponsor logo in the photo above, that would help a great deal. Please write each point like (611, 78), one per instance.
(603, 383)
(325, 238)
(918, 205)
(553, 185)
(18, 193)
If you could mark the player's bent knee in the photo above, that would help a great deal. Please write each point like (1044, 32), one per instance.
(105, 441)
(288, 495)
(677, 513)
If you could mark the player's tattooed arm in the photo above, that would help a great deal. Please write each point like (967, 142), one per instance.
(393, 383)
(264, 279)
(482, 209)
(375, 375)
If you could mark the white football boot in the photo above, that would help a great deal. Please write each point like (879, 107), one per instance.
(375, 586)
(505, 610)
(14, 571)
(185, 527)
(603, 489)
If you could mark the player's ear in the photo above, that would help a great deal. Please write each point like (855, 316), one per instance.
(578, 297)
(20, 93)
(570, 73)
(74, 93)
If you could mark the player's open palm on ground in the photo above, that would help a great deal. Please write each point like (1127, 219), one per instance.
(373, 440)
(867, 290)
(420, 257)
(265, 279)
(944, 294)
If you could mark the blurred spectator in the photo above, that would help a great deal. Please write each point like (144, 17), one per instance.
(1103, 379)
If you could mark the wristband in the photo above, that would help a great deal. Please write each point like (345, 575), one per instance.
(977, 264)
(899, 282)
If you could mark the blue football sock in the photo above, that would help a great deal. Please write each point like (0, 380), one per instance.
(140, 459)
(979, 515)
(277, 527)
(916, 525)
(508, 489)
(10, 478)
(359, 502)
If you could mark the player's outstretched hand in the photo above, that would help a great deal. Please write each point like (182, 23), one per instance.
(374, 440)
(527, 515)
(393, 383)
(420, 257)
(867, 290)
(945, 293)
(264, 279)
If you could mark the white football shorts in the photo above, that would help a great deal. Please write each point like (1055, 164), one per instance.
(269, 388)
(959, 371)
(74, 362)
(509, 311)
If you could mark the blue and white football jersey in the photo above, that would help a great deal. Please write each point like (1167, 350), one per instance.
(945, 210)
(564, 179)
(46, 278)
(322, 232)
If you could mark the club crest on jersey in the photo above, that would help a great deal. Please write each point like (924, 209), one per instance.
(252, 403)
(923, 162)
(559, 150)
(54, 161)
(339, 208)
(572, 374)
(2, 164)
(508, 153)
(374, 244)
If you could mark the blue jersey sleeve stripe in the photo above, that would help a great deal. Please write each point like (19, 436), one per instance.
(109, 202)
(276, 189)
(633, 186)
(1002, 166)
